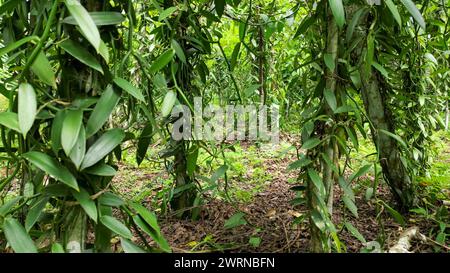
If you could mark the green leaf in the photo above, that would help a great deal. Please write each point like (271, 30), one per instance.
(192, 161)
(354, 232)
(394, 136)
(57, 248)
(52, 167)
(129, 88)
(235, 55)
(17, 237)
(10, 120)
(394, 10)
(338, 12)
(9, 6)
(8, 206)
(162, 60)
(220, 7)
(219, 173)
(100, 18)
(168, 103)
(129, 247)
(304, 25)
(111, 200)
(101, 169)
(235, 221)
(86, 203)
(42, 68)
(395, 214)
(350, 205)
(329, 61)
(330, 97)
(380, 68)
(71, 129)
(144, 142)
(102, 111)
(179, 51)
(79, 149)
(317, 181)
(57, 124)
(102, 147)
(116, 226)
(318, 220)
(85, 22)
(254, 241)
(354, 22)
(166, 13)
(35, 212)
(13, 46)
(302, 162)
(27, 107)
(311, 143)
(81, 54)
(362, 171)
(411, 7)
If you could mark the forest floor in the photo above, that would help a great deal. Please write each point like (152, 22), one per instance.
(257, 213)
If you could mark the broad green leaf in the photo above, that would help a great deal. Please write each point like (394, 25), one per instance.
(431, 58)
(27, 106)
(178, 50)
(10, 120)
(350, 205)
(166, 13)
(317, 181)
(102, 147)
(144, 142)
(102, 111)
(129, 88)
(235, 221)
(311, 143)
(42, 68)
(299, 164)
(362, 171)
(354, 22)
(330, 97)
(162, 60)
(411, 7)
(394, 136)
(337, 9)
(235, 55)
(220, 7)
(101, 169)
(395, 214)
(57, 124)
(304, 25)
(35, 212)
(116, 226)
(57, 248)
(52, 167)
(318, 220)
(129, 247)
(168, 103)
(9, 205)
(85, 22)
(81, 54)
(104, 51)
(111, 200)
(219, 173)
(354, 232)
(8, 6)
(71, 129)
(380, 68)
(394, 10)
(79, 149)
(329, 61)
(17, 44)
(86, 203)
(17, 236)
(100, 18)
(192, 161)
(148, 216)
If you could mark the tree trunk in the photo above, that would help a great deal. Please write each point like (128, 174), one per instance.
(395, 173)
